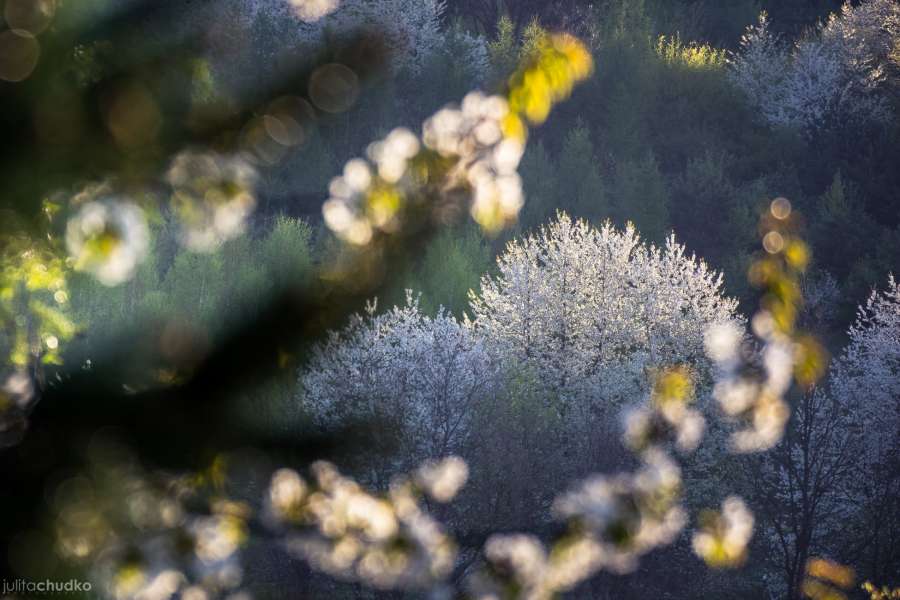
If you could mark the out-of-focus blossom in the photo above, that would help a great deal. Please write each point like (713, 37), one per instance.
(108, 238)
(313, 10)
(339, 528)
(723, 343)
(470, 151)
(754, 397)
(518, 566)
(443, 479)
(392, 154)
(476, 158)
(723, 537)
(488, 154)
(218, 537)
(612, 522)
(515, 561)
(752, 383)
(17, 396)
(18, 390)
(287, 493)
(667, 417)
(628, 514)
(147, 535)
(212, 196)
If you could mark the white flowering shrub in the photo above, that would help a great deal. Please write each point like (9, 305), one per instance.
(866, 36)
(595, 311)
(832, 76)
(424, 374)
(869, 368)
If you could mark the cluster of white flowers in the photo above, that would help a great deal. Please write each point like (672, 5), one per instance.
(368, 196)
(668, 416)
(313, 10)
(613, 521)
(473, 134)
(442, 479)
(723, 538)
(212, 196)
(866, 36)
(388, 542)
(831, 76)
(140, 536)
(751, 382)
(211, 569)
(752, 396)
(521, 562)
(372, 194)
(628, 514)
(108, 238)
(867, 373)
(594, 310)
(424, 373)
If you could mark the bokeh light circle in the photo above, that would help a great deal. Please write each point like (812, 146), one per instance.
(33, 16)
(19, 54)
(333, 88)
(780, 208)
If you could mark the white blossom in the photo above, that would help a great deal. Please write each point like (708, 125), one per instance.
(831, 76)
(212, 196)
(628, 514)
(867, 373)
(313, 10)
(442, 479)
(422, 373)
(386, 542)
(594, 311)
(108, 238)
(723, 539)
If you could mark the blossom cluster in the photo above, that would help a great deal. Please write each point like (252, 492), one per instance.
(212, 195)
(627, 309)
(423, 373)
(668, 417)
(833, 75)
(108, 238)
(519, 566)
(472, 150)
(477, 136)
(313, 10)
(752, 396)
(462, 149)
(751, 383)
(387, 542)
(723, 537)
(612, 522)
(147, 536)
(628, 514)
